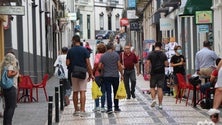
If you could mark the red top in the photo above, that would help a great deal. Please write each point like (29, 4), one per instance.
(96, 63)
(214, 73)
(129, 60)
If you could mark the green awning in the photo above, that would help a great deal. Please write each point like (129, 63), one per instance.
(196, 5)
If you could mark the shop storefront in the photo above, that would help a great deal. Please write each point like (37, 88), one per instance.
(189, 33)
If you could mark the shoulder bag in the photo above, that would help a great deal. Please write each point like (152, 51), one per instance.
(79, 72)
(6, 82)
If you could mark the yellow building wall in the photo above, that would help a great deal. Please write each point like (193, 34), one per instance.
(2, 19)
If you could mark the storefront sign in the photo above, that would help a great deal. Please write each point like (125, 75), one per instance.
(166, 24)
(203, 17)
(131, 14)
(72, 16)
(134, 26)
(131, 3)
(124, 22)
(203, 28)
(12, 10)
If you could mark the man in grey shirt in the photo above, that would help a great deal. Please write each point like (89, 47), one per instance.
(205, 60)
(110, 63)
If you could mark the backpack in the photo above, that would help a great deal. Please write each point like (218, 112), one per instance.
(59, 71)
(6, 82)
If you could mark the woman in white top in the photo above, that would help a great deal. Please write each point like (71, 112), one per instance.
(9, 94)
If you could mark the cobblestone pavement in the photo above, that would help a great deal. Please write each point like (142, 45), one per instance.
(138, 111)
(135, 111)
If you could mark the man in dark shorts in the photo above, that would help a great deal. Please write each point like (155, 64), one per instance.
(155, 65)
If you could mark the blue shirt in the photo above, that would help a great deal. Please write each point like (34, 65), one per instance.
(205, 58)
(77, 56)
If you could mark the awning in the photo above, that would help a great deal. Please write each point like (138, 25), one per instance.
(196, 5)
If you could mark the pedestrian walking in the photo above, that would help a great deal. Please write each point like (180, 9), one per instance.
(88, 47)
(129, 62)
(155, 64)
(205, 60)
(177, 62)
(118, 46)
(61, 63)
(101, 49)
(110, 63)
(10, 97)
(78, 60)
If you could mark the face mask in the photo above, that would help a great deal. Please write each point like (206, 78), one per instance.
(179, 51)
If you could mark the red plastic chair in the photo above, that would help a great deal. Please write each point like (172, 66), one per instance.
(183, 85)
(42, 85)
(25, 84)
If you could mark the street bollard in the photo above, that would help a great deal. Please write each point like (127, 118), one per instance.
(50, 106)
(61, 96)
(57, 104)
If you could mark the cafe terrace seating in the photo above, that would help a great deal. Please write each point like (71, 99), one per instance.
(42, 84)
(25, 84)
(183, 86)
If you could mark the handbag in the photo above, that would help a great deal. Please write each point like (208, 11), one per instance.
(96, 92)
(6, 82)
(121, 91)
(59, 72)
(79, 72)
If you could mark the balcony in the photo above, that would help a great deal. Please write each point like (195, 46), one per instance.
(82, 2)
(112, 3)
(140, 6)
(171, 3)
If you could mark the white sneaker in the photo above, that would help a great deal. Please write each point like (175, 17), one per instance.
(153, 103)
(76, 113)
(102, 109)
(84, 114)
(97, 109)
(160, 107)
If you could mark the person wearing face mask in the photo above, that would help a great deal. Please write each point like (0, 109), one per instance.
(178, 63)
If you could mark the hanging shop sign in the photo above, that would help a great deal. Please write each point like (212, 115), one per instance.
(12, 10)
(134, 26)
(203, 28)
(166, 24)
(131, 14)
(203, 17)
(132, 3)
(124, 22)
(72, 16)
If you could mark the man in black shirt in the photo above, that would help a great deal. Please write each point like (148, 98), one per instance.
(156, 61)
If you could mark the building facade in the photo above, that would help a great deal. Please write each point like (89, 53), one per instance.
(217, 9)
(180, 16)
(108, 14)
(85, 15)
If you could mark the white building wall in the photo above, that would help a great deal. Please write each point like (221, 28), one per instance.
(27, 27)
(14, 33)
(217, 9)
(101, 7)
(38, 42)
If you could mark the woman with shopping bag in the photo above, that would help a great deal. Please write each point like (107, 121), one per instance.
(101, 48)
